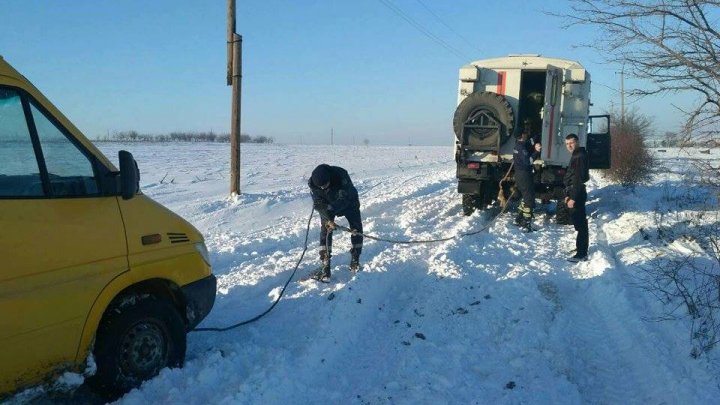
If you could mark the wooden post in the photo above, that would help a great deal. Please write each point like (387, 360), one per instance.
(622, 97)
(235, 125)
(234, 78)
(230, 33)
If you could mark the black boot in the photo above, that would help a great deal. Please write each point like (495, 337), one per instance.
(355, 263)
(527, 225)
(519, 219)
(527, 217)
(323, 273)
(355, 258)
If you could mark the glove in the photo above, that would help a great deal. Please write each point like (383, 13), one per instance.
(330, 225)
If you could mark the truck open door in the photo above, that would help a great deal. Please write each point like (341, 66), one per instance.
(598, 141)
(551, 114)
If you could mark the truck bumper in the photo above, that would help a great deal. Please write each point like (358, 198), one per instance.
(199, 299)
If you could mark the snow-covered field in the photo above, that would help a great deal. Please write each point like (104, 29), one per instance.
(498, 317)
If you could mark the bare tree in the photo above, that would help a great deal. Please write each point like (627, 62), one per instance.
(673, 44)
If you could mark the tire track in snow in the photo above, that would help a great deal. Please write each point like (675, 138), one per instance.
(274, 251)
(382, 281)
(609, 348)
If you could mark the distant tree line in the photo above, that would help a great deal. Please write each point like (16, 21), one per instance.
(671, 139)
(134, 136)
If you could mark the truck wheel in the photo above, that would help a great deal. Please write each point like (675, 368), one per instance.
(562, 213)
(134, 342)
(474, 111)
(468, 204)
(490, 192)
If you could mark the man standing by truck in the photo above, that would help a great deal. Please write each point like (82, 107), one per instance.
(334, 194)
(576, 195)
(523, 156)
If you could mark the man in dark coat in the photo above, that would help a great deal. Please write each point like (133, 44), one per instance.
(334, 195)
(524, 155)
(575, 195)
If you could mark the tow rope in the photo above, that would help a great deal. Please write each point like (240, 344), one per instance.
(346, 229)
(302, 255)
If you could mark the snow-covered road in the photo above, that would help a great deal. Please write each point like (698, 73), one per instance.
(498, 317)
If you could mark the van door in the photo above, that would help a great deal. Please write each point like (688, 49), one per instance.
(62, 240)
(598, 141)
(551, 115)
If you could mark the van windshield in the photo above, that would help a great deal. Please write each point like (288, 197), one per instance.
(19, 172)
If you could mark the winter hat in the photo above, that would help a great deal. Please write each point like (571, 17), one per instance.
(321, 175)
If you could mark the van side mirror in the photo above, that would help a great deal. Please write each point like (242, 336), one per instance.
(129, 175)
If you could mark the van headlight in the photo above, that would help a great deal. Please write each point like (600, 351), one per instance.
(202, 249)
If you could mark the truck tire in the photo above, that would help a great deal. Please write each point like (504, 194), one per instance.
(134, 342)
(468, 204)
(490, 192)
(468, 111)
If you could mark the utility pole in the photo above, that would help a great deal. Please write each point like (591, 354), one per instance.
(234, 78)
(622, 96)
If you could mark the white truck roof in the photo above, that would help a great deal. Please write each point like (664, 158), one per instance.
(525, 61)
(574, 71)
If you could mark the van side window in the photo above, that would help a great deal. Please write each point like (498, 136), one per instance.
(70, 171)
(19, 172)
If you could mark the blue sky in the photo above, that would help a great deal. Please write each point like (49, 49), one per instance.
(309, 66)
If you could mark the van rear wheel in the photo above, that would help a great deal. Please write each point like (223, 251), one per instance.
(134, 342)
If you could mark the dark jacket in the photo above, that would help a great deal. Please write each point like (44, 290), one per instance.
(339, 199)
(523, 156)
(576, 175)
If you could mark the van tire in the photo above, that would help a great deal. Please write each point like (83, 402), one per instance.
(134, 342)
(496, 105)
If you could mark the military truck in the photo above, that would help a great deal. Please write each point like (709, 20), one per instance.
(498, 99)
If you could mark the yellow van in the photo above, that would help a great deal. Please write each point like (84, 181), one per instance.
(92, 266)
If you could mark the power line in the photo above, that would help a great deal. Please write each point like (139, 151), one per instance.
(437, 17)
(627, 103)
(422, 29)
(607, 87)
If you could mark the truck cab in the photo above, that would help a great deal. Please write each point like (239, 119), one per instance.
(501, 97)
(92, 266)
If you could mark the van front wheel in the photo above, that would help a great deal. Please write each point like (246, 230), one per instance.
(134, 342)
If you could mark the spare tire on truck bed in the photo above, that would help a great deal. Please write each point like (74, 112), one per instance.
(483, 119)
